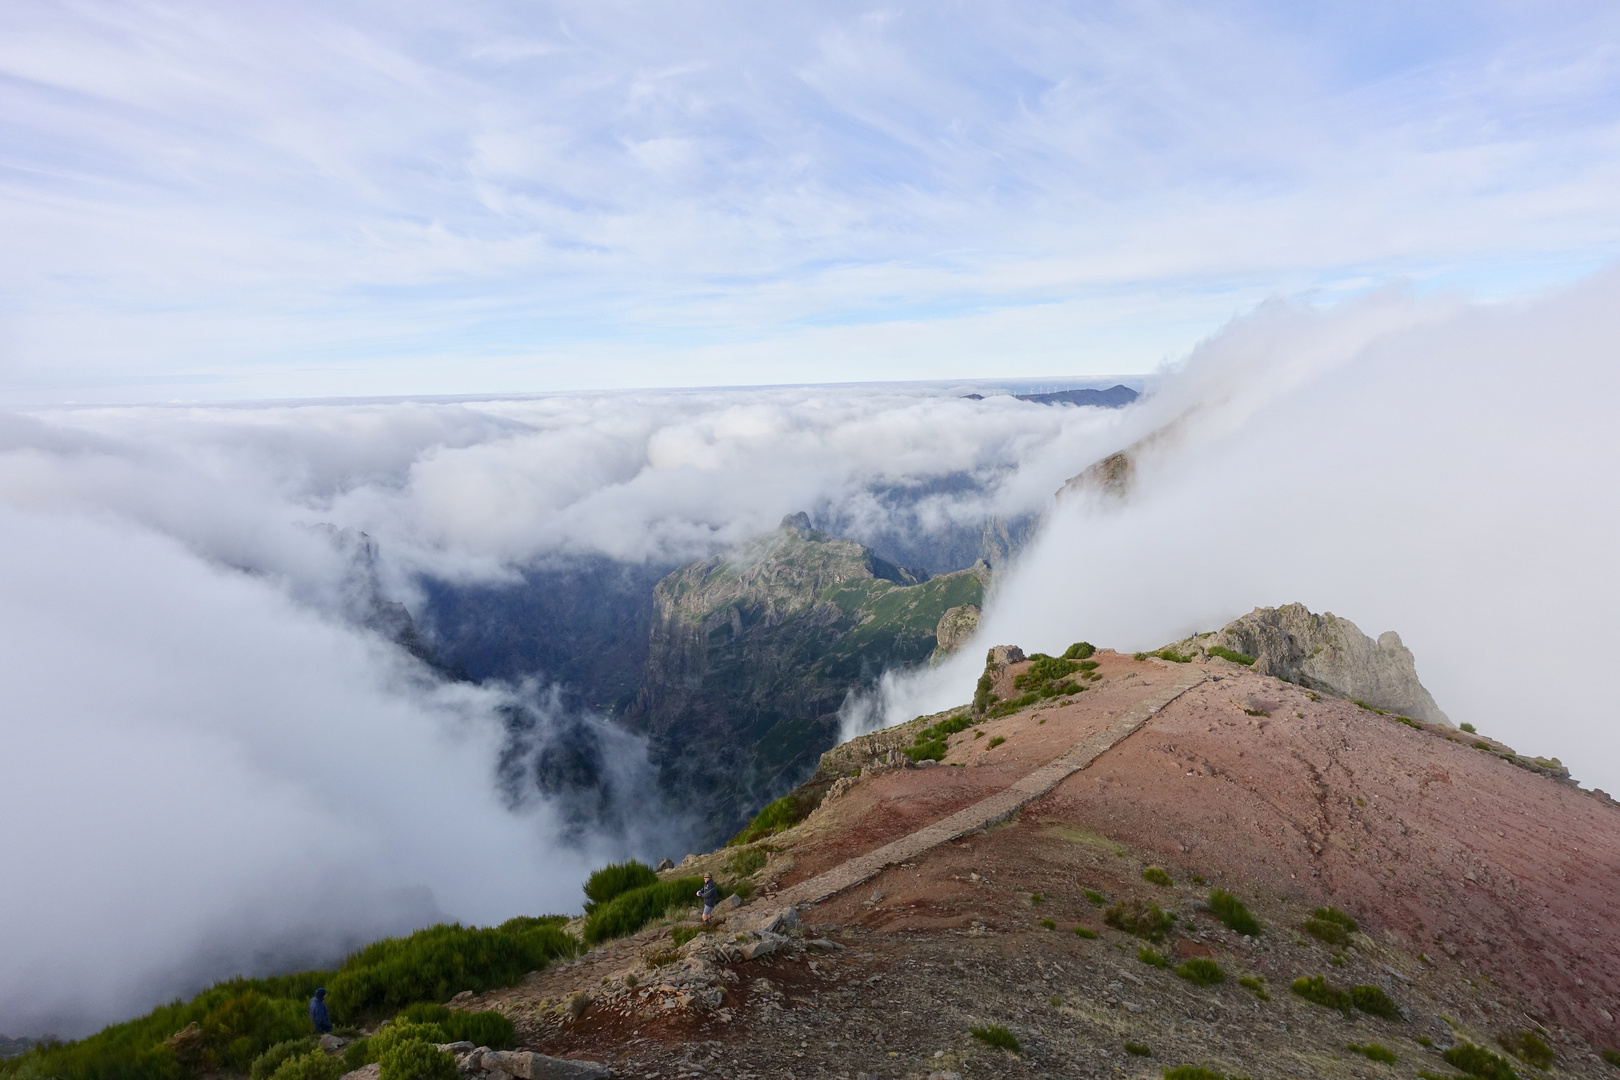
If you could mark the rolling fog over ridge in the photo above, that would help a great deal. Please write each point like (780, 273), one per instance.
(189, 656)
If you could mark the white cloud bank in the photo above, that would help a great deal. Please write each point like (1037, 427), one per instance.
(1439, 469)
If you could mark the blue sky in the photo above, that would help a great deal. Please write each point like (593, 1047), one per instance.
(203, 201)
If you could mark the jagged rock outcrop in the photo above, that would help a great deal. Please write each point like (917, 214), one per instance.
(955, 627)
(1325, 652)
(752, 654)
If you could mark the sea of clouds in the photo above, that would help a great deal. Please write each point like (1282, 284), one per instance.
(213, 765)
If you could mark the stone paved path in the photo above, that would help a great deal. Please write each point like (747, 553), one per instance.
(998, 807)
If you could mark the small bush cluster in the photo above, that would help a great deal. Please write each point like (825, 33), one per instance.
(1152, 956)
(1331, 926)
(995, 742)
(1257, 983)
(984, 694)
(1094, 896)
(1374, 1052)
(1230, 910)
(996, 1035)
(932, 741)
(310, 1065)
(1368, 999)
(1478, 1061)
(1142, 919)
(265, 1065)
(1050, 924)
(1468, 728)
(680, 935)
(1158, 876)
(416, 1059)
(1529, 1048)
(784, 813)
(1230, 654)
(1611, 1056)
(1086, 932)
(615, 878)
(1201, 971)
(1193, 1072)
(1136, 1049)
(629, 912)
(1080, 650)
(1167, 653)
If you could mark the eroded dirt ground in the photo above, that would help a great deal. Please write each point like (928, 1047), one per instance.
(1487, 897)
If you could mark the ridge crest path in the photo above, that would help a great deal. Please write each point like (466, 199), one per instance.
(996, 808)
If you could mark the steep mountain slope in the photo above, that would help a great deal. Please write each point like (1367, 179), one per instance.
(752, 654)
(1480, 902)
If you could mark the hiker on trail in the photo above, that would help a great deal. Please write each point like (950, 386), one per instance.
(317, 1012)
(709, 894)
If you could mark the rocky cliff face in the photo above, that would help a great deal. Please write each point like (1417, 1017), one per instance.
(1325, 652)
(752, 653)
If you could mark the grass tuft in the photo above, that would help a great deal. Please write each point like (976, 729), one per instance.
(996, 1035)
(1152, 957)
(1478, 1061)
(1317, 990)
(1049, 924)
(614, 879)
(747, 861)
(1230, 654)
(1136, 1049)
(1257, 983)
(1158, 876)
(1372, 1000)
(1230, 910)
(1201, 972)
(629, 912)
(995, 742)
(1086, 932)
(1331, 926)
(1144, 920)
(1094, 896)
(1193, 1072)
(1468, 728)
(1374, 1052)
(1529, 1048)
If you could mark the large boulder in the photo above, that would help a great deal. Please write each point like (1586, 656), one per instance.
(1325, 652)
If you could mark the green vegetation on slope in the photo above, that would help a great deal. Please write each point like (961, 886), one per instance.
(226, 1028)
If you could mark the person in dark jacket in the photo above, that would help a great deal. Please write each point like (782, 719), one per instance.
(709, 894)
(317, 1012)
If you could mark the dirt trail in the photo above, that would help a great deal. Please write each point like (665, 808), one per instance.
(997, 808)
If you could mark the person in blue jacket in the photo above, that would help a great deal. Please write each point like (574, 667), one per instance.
(709, 894)
(317, 1011)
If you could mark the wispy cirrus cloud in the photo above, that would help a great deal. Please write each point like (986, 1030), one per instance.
(339, 198)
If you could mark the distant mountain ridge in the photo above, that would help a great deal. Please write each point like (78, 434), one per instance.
(753, 653)
(1115, 397)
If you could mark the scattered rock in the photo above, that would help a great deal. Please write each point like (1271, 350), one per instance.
(665, 864)
(524, 1065)
(364, 1072)
(689, 860)
(333, 1043)
(825, 945)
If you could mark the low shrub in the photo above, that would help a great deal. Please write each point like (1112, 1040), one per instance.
(1007, 708)
(268, 1062)
(1468, 728)
(400, 1031)
(1529, 1048)
(984, 694)
(1316, 989)
(311, 1065)
(747, 861)
(784, 813)
(1230, 654)
(1158, 876)
(1478, 1061)
(1049, 924)
(1201, 971)
(1044, 669)
(1331, 926)
(488, 1028)
(1137, 1050)
(1192, 1072)
(1094, 896)
(1257, 983)
(416, 1059)
(1152, 956)
(680, 935)
(1080, 650)
(1230, 910)
(1142, 919)
(1256, 712)
(1171, 655)
(1374, 1052)
(1409, 722)
(1611, 1056)
(1086, 932)
(1372, 1000)
(932, 742)
(629, 912)
(995, 742)
(613, 879)
(996, 1035)
(432, 964)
